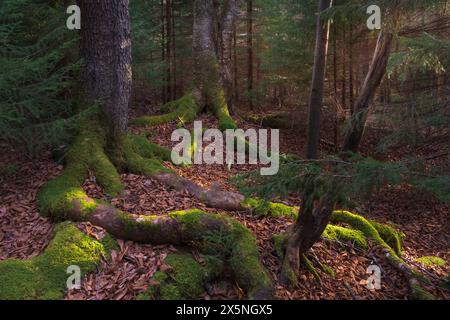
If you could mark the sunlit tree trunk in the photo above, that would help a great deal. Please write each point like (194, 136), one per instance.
(316, 94)
(373, 79)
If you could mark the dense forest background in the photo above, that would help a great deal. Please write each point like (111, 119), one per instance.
(369, 134)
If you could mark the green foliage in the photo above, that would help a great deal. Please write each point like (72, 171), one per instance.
(40, 65)
(286, 31)
(45, 276)
(358, 178)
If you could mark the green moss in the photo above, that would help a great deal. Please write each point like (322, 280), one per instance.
(261, 207)
(147, 149)
(57, 196)
(105, 172)
(392, 237)
(310, 267)
(45, 276)
(432, 261)
(185, 280)
(345, 235)
(139, 165)
(418, 293)
(360, 223)
(279, 244)
(244, 261)
(185, 111)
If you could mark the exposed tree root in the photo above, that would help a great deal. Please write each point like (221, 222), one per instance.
(64, 199)
(45, 276)
(184, 110)
(361, 230)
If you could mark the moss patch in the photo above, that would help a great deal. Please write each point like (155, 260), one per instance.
(431, 261)
(345, 235)
(45, 276)
(185, 280)
(392, 237)
(184, 111)
(260, 207)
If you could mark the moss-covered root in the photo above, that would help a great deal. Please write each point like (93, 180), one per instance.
(87, 152)
(45, 276)
(183, 110)
(246, 267)
(368, 228)
(263, 208)
(370, 231)
(342, 234)
(186, 279)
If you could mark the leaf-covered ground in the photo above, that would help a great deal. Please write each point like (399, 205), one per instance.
(24, 234)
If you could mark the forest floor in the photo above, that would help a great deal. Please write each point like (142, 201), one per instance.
(24, 233)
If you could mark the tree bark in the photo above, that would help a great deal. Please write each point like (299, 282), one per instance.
(316, 94)
(230, 13)
(250, 52)
(312, 220)
(106, 49)
(208, 72)
(373, 79)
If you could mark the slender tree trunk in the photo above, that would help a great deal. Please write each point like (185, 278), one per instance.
(230, 14)
(163, 53)
(250, 51)
(174, 54)
(351, 92)
(335, 87)
(344, 70)
(317, 85)
(235, 66)
(106, 49)
(168, 50)
(373, 79)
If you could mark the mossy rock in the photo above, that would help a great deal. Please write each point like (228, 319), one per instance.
(45, 276)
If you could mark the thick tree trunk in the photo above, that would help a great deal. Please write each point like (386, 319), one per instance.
(373, 79)
(316, 95)
(106, 49)
(207, 75)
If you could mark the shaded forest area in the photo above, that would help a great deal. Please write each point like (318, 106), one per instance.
(88, 181)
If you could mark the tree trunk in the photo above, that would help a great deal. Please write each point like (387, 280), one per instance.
(316, 95)
(250, 52)
(227, 33)
(106, 49)
(207, 75)
(312, 220)
(373, 79)
(163, 52)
